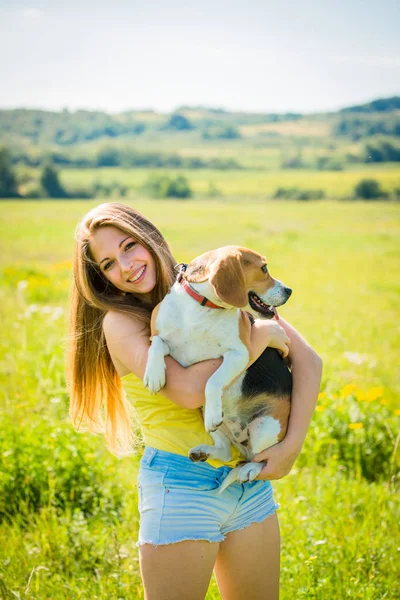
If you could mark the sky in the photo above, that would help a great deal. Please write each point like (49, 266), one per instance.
(254, 55)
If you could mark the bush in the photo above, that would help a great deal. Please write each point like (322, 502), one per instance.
(42, 465)
(179, 123)
(221, 133)
(163, 186)
(369, 189)
(108, 157)
(298, 194)
(34, 193)
(381, 150)
(51, 184)
(293, 162)
(8, 182)
(114, 190)
(329, 163)
(358, 429)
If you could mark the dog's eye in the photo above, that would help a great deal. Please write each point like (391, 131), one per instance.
(264, 268)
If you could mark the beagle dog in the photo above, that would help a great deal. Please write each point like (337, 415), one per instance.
(208, 313)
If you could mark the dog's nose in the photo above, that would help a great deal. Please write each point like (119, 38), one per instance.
(288, 291)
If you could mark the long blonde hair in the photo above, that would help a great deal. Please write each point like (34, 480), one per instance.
(93, 380)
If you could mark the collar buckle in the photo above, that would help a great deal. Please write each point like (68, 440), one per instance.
(182, 268)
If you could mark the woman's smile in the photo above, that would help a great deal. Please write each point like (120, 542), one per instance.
(138, 275)
(128, 265)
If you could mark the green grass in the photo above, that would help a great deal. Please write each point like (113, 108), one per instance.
(337, 542)
(339, 519)
(341, 260)
(258, 183)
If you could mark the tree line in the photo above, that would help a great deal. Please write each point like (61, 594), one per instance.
(109, 156)
(156, 186)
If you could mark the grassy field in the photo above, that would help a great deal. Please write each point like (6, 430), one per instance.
(68, 507)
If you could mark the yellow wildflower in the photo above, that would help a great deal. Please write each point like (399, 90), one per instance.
(360, 395)
(61, 266)
(397, 412)
(356, 425)
(321, 395)
(374, 393)
(347, 390)
(319, 408)
(384, 402)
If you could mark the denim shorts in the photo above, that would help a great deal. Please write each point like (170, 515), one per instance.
(179, 500)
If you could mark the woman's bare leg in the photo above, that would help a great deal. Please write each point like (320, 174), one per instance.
(180, 571)
(248, 562)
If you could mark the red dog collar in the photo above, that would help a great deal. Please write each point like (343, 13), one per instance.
(202, 299)
(198, 297)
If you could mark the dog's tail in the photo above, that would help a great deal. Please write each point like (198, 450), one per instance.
(230, 478)
(248, 472)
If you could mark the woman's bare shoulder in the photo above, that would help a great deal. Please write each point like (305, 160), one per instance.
(127, 341)
(118, 324)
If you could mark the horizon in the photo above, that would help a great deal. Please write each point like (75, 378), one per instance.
(304, 58)
(193, 107)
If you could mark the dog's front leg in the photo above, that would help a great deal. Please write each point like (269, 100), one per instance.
(221, 451)
(154, 376)
(235, 361)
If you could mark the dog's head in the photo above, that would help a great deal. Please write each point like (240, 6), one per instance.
(240, 278)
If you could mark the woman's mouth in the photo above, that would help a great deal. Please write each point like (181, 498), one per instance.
(138, 276)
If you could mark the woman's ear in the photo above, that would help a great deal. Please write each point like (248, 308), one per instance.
(227, 279)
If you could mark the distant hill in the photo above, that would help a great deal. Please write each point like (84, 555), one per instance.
(201, 137)
(380, 105)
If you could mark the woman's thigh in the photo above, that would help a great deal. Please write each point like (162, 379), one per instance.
(177, 571)
(248, 562)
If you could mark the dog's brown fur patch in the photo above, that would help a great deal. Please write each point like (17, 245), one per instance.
(153, 327)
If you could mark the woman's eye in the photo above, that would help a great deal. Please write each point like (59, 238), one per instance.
(107, 265)
(264, 268)
(129, 245)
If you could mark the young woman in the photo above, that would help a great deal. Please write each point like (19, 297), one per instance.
(123, 268)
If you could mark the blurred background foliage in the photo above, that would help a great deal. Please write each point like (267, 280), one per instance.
(362, 140)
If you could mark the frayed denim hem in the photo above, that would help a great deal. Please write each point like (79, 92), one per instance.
(203, 539)
(183, 539)
(263, 518)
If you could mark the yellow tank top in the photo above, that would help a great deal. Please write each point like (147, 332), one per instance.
(167, 426)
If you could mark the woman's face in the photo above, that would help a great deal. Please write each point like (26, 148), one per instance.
(128, 265)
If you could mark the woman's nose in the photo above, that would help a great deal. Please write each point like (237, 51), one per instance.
(125, 263)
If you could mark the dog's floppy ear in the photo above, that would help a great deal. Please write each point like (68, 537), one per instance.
(199, 269)
(227, 279)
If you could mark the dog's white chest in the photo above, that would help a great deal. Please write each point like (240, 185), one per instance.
(193, 332)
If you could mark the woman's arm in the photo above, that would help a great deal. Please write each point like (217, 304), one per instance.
(128, 345)
(306, 372)
(306, 368)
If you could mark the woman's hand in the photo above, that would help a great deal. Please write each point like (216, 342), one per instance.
(277, 337)
(280, 459)
(268, 333)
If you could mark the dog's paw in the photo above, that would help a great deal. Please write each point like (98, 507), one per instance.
(213, 420)
(199, 453)
(154, 378)
(249, 471)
